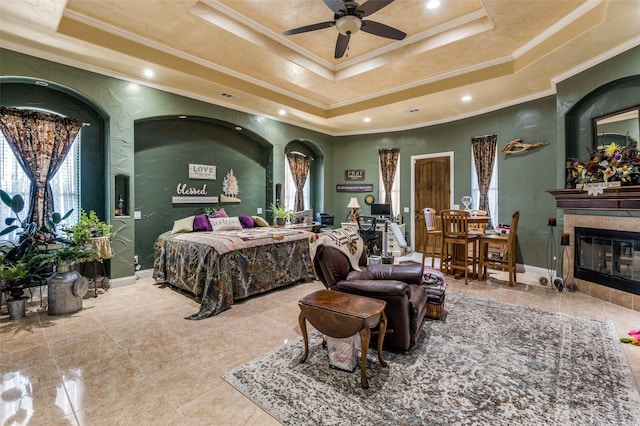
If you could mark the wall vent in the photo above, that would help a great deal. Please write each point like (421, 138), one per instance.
(228, 95)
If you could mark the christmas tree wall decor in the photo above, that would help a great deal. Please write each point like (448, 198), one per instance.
(230, 189)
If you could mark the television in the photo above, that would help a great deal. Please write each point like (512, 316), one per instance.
(380, 209)
(303, 216)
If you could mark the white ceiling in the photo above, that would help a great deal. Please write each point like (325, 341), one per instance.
(498, 52)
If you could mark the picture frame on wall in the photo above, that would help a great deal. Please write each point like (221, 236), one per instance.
(353, 174)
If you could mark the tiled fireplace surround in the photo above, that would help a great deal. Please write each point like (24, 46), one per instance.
(618, 297)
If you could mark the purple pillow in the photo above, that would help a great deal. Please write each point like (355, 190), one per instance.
(219, 213)
(201, 223)
(246, 221)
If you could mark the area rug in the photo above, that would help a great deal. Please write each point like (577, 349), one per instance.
(486, 363)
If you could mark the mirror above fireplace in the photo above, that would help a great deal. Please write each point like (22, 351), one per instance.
(619, 127)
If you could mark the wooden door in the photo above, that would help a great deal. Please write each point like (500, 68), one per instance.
(432, 185)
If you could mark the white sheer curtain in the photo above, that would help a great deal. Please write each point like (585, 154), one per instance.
(65, 184)
(289, 195)
(492, 194)
(395, 190)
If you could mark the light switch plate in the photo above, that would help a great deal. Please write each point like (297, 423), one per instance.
(137, 215)
(259, 210)
(406, 209)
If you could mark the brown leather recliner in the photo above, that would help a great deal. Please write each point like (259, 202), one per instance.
(398, 285)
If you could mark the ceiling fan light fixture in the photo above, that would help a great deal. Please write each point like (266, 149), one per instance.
(348, 25)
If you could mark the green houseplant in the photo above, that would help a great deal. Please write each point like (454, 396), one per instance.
(88, 226)
(280, 214)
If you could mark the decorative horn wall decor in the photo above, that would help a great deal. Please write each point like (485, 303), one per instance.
(516, 146)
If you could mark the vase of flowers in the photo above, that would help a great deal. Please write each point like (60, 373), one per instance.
(608, 165)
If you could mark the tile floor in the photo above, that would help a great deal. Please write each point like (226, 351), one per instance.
(129, 357)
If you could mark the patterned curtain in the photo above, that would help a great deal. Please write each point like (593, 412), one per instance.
(40, 142)
(484, 154)
(299, 165)
(388, 165)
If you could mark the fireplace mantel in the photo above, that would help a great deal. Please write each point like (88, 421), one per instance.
(617, 198)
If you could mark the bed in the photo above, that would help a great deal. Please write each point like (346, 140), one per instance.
(220, 267)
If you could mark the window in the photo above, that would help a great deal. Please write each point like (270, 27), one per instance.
(65, 185)
(290, 189)
(395, 189)
(492, 193)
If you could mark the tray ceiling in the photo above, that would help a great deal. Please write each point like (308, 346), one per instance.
(498, 52)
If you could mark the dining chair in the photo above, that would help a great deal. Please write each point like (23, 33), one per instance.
(478, 228)
(503, 251)
(434, 234)
(455, 243)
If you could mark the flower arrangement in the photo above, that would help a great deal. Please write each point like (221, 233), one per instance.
(609, 163)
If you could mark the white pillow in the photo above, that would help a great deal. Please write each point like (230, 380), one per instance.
(225, 223)
(183, 225)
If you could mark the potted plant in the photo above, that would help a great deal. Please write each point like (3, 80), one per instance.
(280, 214)
(14, 275)
(66, 286)
(88, 226)
(31, 238)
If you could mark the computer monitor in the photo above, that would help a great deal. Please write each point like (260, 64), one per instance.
(303, 216)
(380, 209)
(325, 219)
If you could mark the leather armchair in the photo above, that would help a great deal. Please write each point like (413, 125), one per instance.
(398, 285)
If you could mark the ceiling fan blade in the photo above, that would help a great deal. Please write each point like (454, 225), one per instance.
(335, 5)
(382, 30)
(341, 45)
(372, 6)
(313, 27)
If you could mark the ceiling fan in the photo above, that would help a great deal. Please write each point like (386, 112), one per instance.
(348, 20)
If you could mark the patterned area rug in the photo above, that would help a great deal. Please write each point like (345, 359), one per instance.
(487, 363)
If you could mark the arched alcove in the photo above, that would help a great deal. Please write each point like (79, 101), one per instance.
(164, 149)
(316, 172)
(613, 96)
(30, 93)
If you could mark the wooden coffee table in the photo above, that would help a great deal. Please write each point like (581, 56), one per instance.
(341, 315)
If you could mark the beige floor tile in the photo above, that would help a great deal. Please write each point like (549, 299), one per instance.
(130, 356)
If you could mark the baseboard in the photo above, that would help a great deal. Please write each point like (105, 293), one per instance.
(144, 273)
(536, 270)
(122, 281)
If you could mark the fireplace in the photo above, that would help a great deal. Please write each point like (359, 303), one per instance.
(594, 285)
(608, 257)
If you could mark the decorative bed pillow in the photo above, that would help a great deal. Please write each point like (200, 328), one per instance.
(259, 221)
(246, 221)
(183, 225)
(201, 223)
(219, 213)
(225, 223)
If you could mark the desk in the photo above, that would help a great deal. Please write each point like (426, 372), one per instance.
(303, 226)
(337, 314)
(393, 248)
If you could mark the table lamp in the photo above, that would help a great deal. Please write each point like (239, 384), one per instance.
(354, 206)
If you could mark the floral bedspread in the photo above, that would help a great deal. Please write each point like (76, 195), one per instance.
(216, 280)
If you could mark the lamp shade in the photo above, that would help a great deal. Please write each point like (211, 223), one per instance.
(353, 203)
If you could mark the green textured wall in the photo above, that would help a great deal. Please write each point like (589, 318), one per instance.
(126, 103)
(522, 178)
(164, 148)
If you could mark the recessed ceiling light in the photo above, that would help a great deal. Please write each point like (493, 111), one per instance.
(42, 83)
(466, 98)
(282, 112)
(432, 4)
(366, 120)
(228, 95)
(149, 73)
(238, 128)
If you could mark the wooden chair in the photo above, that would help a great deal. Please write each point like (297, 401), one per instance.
(503, 253)
(433, 233)
(478, 228)
(455, 243)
